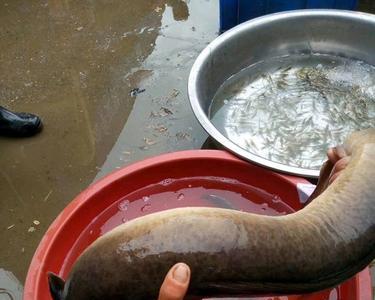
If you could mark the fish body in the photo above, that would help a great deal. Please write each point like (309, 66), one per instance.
(236, 253)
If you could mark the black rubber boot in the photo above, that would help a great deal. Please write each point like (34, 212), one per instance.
(18, 124)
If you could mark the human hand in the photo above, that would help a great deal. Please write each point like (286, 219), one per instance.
(176, 283)
(339, 159)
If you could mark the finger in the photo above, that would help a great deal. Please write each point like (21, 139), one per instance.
(334, 177)
(341, 164)
(338, 168)
(336, 153)
(175, 283)
(331, 155)
(324, 175)
(337, 161)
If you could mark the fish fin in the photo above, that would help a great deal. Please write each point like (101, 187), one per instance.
(56, 286)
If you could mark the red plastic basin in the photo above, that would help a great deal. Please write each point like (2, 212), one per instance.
(105, 205)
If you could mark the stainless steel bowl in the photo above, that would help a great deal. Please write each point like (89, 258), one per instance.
(343, 33)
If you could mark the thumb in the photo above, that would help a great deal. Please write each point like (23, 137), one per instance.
(175, 283)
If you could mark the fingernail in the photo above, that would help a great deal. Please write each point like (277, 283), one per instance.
(181, 273)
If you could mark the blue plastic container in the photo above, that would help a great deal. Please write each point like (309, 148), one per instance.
(234, 12)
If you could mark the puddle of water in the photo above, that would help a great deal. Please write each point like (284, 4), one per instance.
(10, 287)
(161, 120)
(75, 65)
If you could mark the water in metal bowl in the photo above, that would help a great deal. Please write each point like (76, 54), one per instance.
(290, 109)
(280, 89)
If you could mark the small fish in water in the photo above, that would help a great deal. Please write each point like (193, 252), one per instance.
(301, 98)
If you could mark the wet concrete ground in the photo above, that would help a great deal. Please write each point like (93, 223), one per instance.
(75, 64)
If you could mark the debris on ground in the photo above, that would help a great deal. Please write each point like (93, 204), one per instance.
(46, 197)
(165, 111)
(36, 222)
(153, 115)
(173, 95)
(149, 142)
(11, 226)
(31, 229)
(158, 9)
(161, 128)
(183, 136)
(134, 92)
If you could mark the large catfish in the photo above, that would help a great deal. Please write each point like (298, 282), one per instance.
(237, 253)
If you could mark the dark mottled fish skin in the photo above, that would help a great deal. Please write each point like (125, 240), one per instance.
(236, 253)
